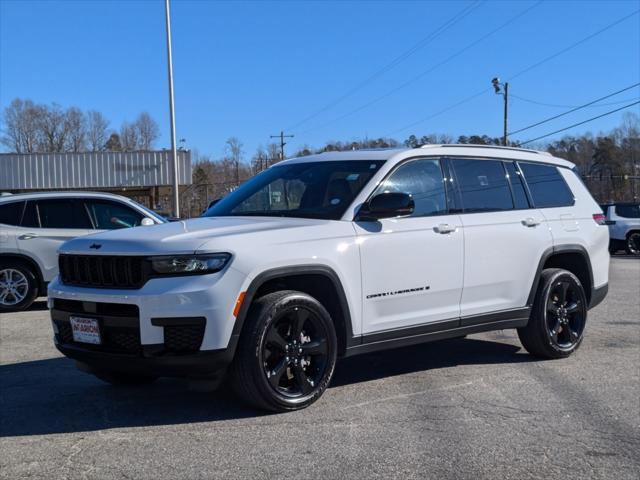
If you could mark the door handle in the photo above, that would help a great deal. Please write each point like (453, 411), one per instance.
(530, 222)
(28, 236)
(444, 228)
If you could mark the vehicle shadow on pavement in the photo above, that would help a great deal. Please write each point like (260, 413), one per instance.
(52, 396)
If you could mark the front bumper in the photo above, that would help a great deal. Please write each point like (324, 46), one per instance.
(181, 326)
(203, 364)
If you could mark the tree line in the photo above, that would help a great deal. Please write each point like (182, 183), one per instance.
(30, 127)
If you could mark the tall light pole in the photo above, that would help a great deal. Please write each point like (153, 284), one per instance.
(503, 89)
(174, 151)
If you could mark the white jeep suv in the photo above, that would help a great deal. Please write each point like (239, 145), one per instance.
(34, 225)
(334, 255)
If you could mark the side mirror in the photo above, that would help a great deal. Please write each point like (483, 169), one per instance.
(146, 222)
(387, 205)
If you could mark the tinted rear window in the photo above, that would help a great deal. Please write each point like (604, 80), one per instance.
(628, 211)
(10, 213)
(63, 213)
(483, 185)
(547, 187)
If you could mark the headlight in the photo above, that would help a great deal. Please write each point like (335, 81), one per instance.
(189, 264)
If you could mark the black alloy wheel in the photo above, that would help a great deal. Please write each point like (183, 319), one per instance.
(295, 352)
(558, 317)
(286, 354)
(566, 313)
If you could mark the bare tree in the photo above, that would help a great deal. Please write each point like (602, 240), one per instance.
(129, 137)
(97, 126)
(113, 143)
(21, 132)
(75, 127)
(273, 153)
(260, 160)
(51, 123)
(234, 152)
(147, 130)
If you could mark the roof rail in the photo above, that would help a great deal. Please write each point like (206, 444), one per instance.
(471, 145)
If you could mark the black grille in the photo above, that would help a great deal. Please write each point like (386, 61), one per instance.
(184, 338)
(103, 271)
(114, 339)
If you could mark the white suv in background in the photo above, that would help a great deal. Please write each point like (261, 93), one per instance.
(334, 255)
(624, 227)
(34, 225)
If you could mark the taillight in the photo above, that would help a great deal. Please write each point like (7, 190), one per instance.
(599, 218)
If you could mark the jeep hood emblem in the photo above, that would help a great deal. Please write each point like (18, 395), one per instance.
(95, 245)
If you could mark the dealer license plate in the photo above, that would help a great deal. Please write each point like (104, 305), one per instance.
(85, 330)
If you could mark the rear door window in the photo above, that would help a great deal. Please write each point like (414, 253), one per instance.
(63, 213)
(547, 187)
(107, 215)
(11, 213)
(483, 185)
(628, 211)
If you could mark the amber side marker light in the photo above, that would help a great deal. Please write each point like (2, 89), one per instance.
(236, 309)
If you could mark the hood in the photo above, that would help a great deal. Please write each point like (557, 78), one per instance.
(185, 236)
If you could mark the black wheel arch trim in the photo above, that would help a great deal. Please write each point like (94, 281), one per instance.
(42, 285)
(290, 271)
(595, 295)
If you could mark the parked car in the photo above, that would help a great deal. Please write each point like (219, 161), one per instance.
(34, 225)
(334, 255)
(624, 227)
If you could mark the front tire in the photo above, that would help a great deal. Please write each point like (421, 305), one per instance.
(633, 243)
(287, 352)
(558, 318)
(18, 286)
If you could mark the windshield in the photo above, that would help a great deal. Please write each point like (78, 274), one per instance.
(307, 190)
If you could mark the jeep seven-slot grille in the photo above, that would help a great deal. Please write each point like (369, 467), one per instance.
(103, 271)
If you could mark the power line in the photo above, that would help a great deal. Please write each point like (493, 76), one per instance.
(579, 123)
(557, 105)
(426, 72)
(396, 61)
(573, 109)
(527, 69)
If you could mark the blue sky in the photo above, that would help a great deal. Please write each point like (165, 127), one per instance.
(250, 69)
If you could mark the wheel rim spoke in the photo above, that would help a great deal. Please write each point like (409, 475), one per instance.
(573, 307)
(562, 294)
(275, 375)
(275, 339)
(301, 379)
(300, 316)
(315, 347)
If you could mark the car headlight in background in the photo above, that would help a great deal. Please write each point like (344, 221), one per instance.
(189, 264)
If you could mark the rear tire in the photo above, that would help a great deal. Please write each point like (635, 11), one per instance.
(18, 286)
(124, 379)
(558, 318)
(633, 243)
(287, 352)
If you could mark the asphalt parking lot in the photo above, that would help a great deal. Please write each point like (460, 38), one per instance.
(478, 407)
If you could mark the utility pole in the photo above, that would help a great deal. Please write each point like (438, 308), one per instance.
(172, 117)
(503, 89)
(282, 136)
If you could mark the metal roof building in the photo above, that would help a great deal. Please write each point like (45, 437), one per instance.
(91, 170)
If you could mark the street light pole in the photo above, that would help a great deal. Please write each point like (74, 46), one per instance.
(172, 117)
(503, 89)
